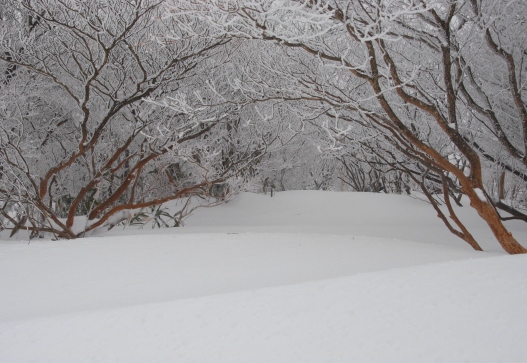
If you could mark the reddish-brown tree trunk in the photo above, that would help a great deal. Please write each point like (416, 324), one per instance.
(489, 214)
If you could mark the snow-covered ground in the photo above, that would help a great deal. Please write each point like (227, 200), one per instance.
(301, 277)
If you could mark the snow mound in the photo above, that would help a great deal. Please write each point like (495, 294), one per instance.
(359, 214)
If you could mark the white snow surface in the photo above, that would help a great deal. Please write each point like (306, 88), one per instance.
(300, 277)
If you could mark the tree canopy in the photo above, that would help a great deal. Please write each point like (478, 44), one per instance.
(107, 107)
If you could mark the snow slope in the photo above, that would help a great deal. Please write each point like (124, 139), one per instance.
(359, 214)
(300, 277)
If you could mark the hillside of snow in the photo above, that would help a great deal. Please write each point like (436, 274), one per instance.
(305, 276)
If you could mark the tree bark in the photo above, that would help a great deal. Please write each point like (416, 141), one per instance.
(501, 186)
(489, 214)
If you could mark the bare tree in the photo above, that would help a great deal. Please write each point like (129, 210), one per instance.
(101, 114)
(401, 66)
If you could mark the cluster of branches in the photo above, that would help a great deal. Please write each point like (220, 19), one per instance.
(439, 86)
(108, 107)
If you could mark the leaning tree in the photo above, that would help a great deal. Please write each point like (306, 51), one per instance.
(413, 70)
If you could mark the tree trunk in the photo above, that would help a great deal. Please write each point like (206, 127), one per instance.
(501, 186)
(489, 214)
